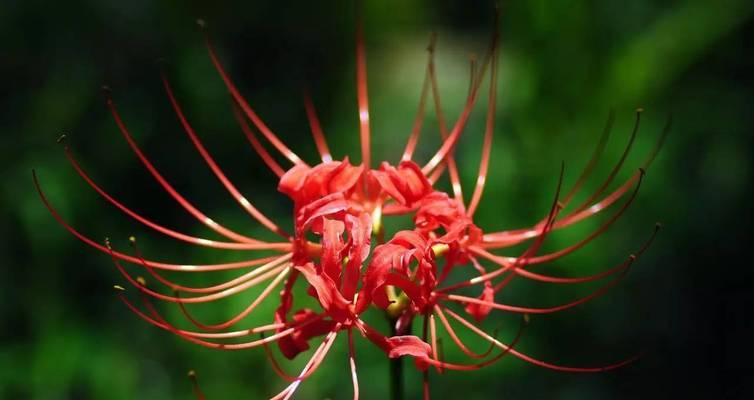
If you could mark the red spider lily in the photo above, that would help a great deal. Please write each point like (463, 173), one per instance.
(341, 206)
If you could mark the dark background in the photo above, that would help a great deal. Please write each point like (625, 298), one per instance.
(564, 64)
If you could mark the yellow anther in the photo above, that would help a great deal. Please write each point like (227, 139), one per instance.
(141, 280)
(377, 227)
(440, 249)
(399, 302)
(119, 287)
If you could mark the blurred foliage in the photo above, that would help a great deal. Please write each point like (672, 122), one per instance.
(564, 65)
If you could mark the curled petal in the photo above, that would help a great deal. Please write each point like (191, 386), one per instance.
(406, 184)
(327, 293)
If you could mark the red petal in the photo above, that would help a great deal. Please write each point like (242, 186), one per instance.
(327, 293)
(478, 311)
(410, 346)
(293, 180)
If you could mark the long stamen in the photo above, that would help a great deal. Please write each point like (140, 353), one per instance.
(437, 173)
(248, 111)
(513, 237)
(596, 233)
(134, 260)
(274, 262)
(316, 127)
(203, 218)
(413, 139)
(515, 263)
(284, 375)
(361, 93)
(596, 155)
(549, 310)
(617, 166)
(449, 144)
(221, 335)
(554, 279)
(198, 299)
(533, 360)
(225, 346)
(458, 340)
(311, 366)
(450, 161)
(243, 201)
(505, 262)
(488, 131)
(472, 72)
(243, 314)
(252, 138)
(490, 361)
(660, 142)
(166, 231)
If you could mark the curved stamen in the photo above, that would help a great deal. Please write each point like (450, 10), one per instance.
(243, 201)
(252, 138)
(522, 234)
(488, 131)
(617, 166)
(449, 144)
(413, 138)
(166, 231)
(274, 262)
(590, 278)
(198, 299)
(203, 218)
(225, 346)
(458, 340)
(311, 366)
(511, 238)
(533, 360)
(512, 262)
(134, 260)
(361, 93)
(596, 155)
(243, 314)
(490, 361)
(549, 310)
(316, 127)
(523, 259)
(596, 233)
(450, 161)
(248, 111)
(194, 334)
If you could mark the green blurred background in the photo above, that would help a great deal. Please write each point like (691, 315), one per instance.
(564, 65)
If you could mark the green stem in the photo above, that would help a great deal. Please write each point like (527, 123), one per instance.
(396, 370)
(396, 378)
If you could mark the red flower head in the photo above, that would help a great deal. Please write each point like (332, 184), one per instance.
(338, 210)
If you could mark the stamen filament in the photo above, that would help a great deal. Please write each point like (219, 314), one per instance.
(245, 203)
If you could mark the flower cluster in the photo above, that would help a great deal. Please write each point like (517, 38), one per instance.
(340, 253)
